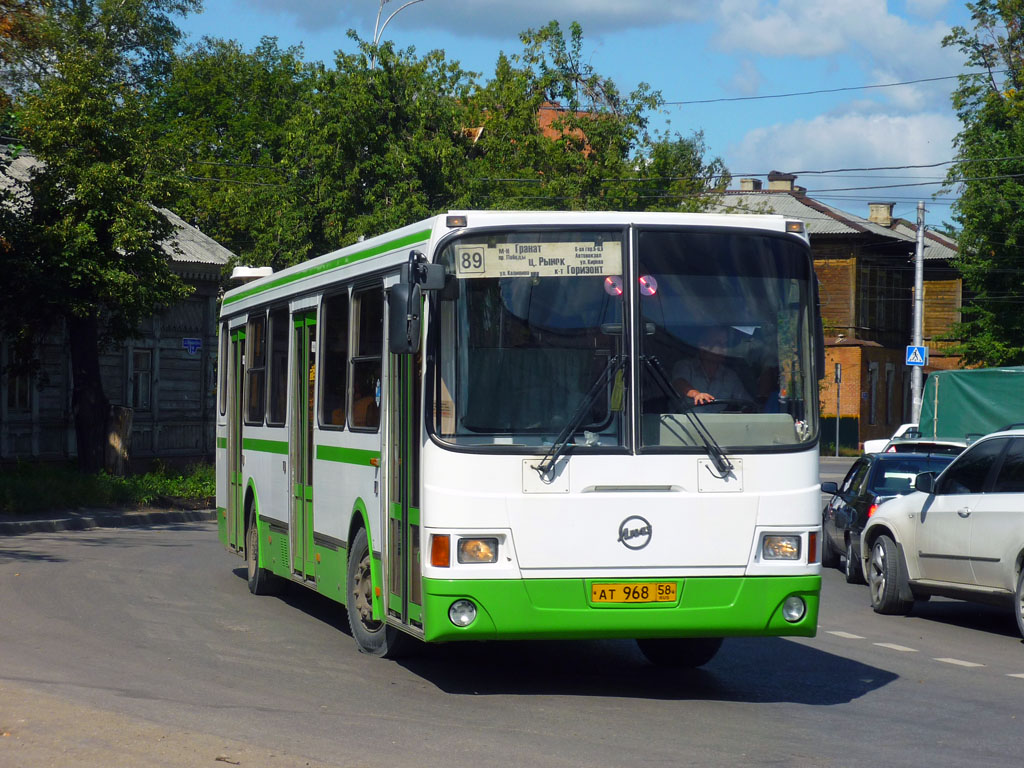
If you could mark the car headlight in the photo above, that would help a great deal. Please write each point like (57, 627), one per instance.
(780, 547)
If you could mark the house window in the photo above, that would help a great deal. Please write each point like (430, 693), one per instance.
(256, 369)
(278, 367)
(368, 333)
(19, 383)
(142, 379)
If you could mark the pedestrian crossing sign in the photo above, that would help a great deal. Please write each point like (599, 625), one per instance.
(917, 355)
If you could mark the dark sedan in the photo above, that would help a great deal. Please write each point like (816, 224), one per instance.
(873, 478)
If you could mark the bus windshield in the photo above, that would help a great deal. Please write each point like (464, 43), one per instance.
(727, 317)
(530, 335)
(531, 324)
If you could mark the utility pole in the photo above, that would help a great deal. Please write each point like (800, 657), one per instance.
(917, 375)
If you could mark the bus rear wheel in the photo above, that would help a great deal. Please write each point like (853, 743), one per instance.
(372, 637)
(261, 581)
(681, 652)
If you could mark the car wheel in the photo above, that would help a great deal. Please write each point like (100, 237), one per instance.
(883, 579)
(829, 557)
(680, 652)
(854, 572)
(1019, 603)
(372, 637)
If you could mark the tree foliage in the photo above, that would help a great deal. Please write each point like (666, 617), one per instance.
(990, 175)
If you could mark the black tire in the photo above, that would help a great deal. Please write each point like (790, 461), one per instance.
(883, 579)
(1018, 603)
(680, 652)
(853, 570)
(829, 557)
(372, 637)
(261, 581)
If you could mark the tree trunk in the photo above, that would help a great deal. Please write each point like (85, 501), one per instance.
(89, 405)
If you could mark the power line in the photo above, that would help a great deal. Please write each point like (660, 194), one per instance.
(829, 90)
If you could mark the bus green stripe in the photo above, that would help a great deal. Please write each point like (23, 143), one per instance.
(265, 446)
(340, 261)
(222, 442)
(346, 455)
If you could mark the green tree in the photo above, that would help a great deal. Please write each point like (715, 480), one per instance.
(989, 173)
(226, 112)
(88, 249)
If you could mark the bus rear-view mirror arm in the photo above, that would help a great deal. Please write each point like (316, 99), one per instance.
(405, 307)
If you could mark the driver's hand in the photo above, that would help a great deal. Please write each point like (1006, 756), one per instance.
(703, 398)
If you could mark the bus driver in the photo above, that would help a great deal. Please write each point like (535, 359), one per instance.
(706, 377)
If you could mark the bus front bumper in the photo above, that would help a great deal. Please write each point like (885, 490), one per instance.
(564, 609)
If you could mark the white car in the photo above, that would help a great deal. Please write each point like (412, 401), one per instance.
(960, 534)
(878, 445)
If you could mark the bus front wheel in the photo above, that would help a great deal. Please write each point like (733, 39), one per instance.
(372, 637)
(261, 581)
(682, 652)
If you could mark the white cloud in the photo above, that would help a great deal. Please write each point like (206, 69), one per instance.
(844, 141)
(746, 81)
(926, 8)
(488, 18)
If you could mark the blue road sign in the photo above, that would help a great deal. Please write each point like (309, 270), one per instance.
(917, 355)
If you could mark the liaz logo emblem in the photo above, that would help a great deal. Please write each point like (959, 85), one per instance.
(635, 532)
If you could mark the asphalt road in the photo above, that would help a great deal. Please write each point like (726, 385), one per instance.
(143, 647)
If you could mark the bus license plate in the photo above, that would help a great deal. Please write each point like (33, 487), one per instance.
(634, 592)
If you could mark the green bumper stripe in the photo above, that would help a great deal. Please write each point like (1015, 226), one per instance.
(346, 455)
(561, 609)
(265, 446)
(222, 442)
(413, 239)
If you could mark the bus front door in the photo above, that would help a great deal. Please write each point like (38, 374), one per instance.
(301, 445)
(235, 510)
(404, 586)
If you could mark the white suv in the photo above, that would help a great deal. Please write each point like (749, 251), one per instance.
(960, 535)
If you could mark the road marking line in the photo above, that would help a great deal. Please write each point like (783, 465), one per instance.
(1018, 675)
(845, 635)
(894, 647)
(960, 662)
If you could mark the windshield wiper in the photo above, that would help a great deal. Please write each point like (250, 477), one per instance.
(715, 452)
(561, 442)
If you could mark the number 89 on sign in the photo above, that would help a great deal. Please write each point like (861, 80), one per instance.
(470, 260)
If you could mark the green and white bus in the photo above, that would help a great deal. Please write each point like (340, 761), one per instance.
(472, 428)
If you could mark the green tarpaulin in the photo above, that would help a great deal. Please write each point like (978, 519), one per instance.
(967, 403)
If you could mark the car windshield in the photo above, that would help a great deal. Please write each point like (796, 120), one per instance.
(896, 478)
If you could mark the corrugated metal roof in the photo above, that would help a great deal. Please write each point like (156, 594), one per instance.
(187, 246)
(819, 218)
(936, 245)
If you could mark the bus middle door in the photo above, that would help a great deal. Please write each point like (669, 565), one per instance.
(301, 444)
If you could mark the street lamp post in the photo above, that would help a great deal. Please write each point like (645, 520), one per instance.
(378, 28)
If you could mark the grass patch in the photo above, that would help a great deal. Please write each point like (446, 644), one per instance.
(31, 488)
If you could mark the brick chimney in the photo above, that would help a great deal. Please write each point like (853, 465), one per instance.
(750, 185)
(880, 213)
(781, 182)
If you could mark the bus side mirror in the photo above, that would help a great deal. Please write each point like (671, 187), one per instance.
(404, 317)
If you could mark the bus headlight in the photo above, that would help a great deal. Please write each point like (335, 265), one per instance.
(793, 609)
(777, 547)
(462, 613)
(478, 550)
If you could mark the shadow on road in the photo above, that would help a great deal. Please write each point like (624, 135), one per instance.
(746, 669)
(985, 618)
(27, 555)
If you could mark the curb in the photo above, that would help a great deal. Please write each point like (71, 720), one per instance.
(106, 519)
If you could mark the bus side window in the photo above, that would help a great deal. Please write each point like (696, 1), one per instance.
(278, 360)
(368, 334)
(256, 370)
(334, 360)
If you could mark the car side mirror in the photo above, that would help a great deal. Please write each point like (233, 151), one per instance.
(925, 482)
(829, 487)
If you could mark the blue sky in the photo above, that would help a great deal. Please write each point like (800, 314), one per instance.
(695, 50)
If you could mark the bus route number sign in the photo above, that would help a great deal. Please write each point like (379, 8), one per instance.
(634, 592)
